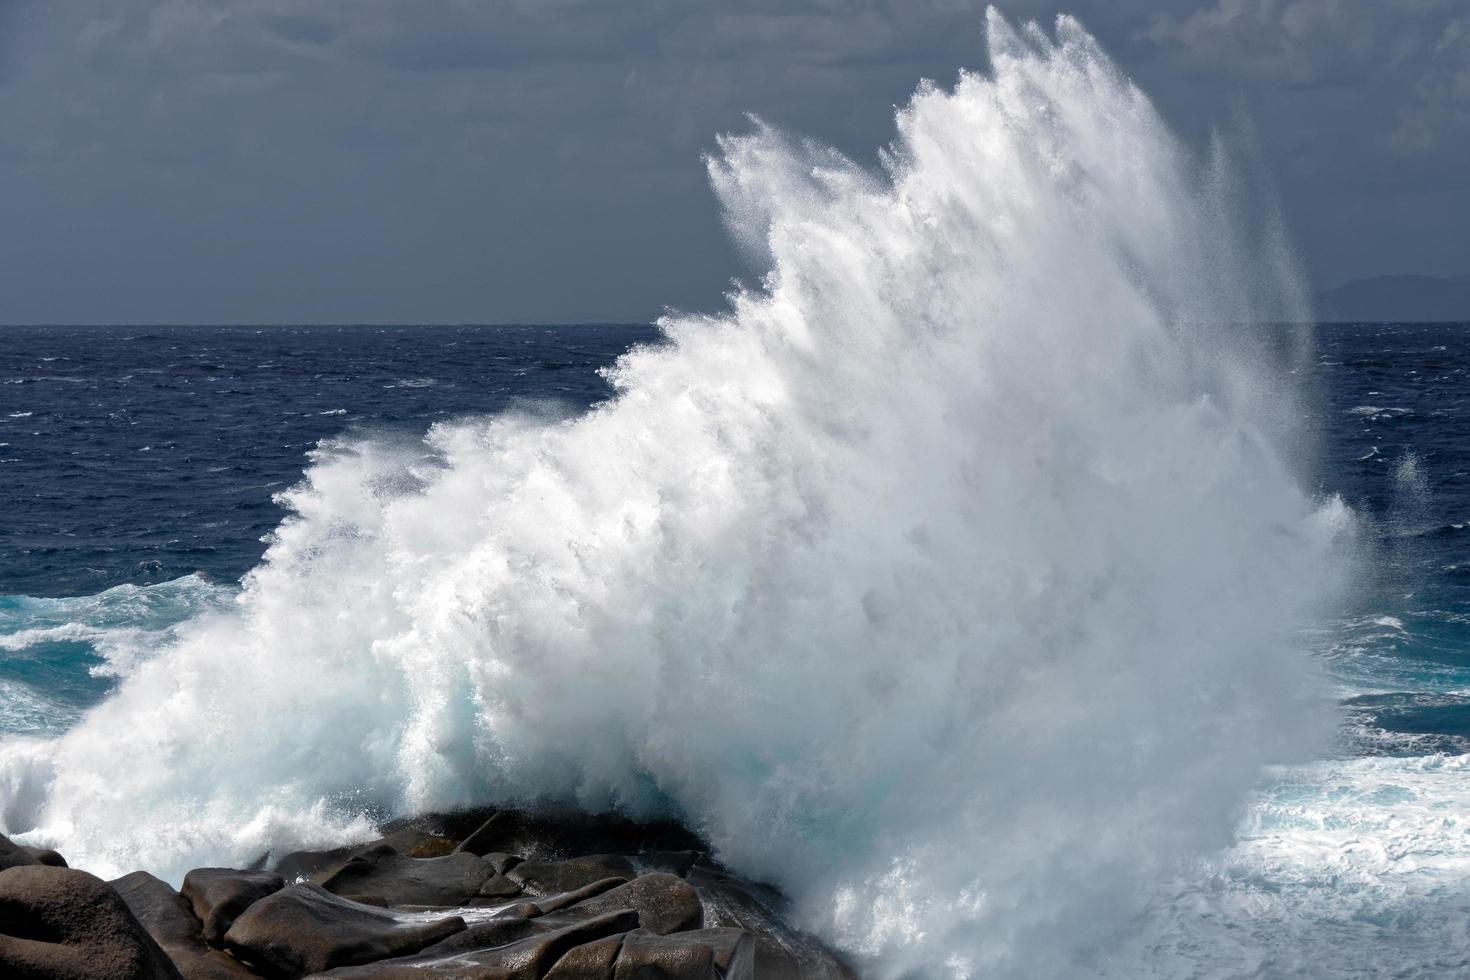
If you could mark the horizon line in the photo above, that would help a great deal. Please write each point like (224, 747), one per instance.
(343, 324)
(517, 324)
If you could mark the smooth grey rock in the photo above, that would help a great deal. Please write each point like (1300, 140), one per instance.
(64, 924)
(304, 929)
(663, 902)
(219, 895)
(313, 865)
(551, 877)
(553, 903)
(704, 954)
(48, 857)
(499, 888)
(589, 961)
(489, 934)
(501, 861)
(170, 920)
(318, 866)
(12, 855)
(525, 959)
(453, 879)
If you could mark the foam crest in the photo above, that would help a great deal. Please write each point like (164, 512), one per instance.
(951, 579)
(1351, 868)
(44, 642)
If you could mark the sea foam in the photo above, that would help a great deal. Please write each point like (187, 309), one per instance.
(951, 579)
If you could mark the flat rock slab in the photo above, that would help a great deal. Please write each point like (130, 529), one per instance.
(526, 959)
(702, 954)
(318, 866)
(663, 902)
(550, 877)
(304, 929)
(553, 903)
(170, 920)
(453, 879)
(492, 933)
(62, 924)
(219, 895)
(313, 865)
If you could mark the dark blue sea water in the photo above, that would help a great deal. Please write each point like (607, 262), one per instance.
(1394, 423)
(140, 455)
(138, 469)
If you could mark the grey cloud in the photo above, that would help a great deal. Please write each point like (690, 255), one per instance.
(539, 159)
(1417, 52)
(1294, 42)
(15, 16)
(296, 29)
(1441, 101)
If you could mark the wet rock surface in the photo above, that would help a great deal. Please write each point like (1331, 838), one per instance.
(219, 895)
(701, 954)
(61, 924)
(525, 959)
(548, 877)
(663, 902)
(383, 873)
(12, 855)
(170, 920)
(46, 856)
(305, 929)
(489, 895)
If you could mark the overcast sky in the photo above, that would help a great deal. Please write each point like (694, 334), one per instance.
(539, 160)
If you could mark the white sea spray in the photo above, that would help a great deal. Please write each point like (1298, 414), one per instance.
(951, 579)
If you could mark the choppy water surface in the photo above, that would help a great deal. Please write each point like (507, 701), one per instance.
(141, 467)
(158, 493)
(139, 455)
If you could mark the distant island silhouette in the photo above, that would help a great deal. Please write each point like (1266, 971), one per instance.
(1401, 298)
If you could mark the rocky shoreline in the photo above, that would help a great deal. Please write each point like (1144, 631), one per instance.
(474, 895)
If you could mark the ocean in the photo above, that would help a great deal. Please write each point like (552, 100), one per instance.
(144, 469)
(141, 466)
(975, 576)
